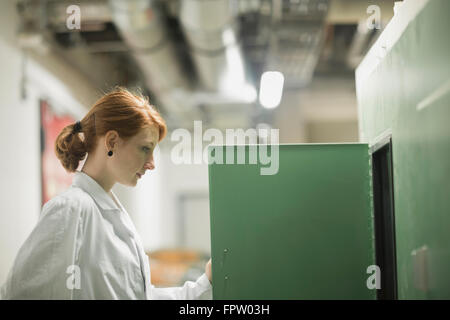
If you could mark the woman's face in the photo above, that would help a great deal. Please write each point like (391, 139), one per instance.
(132, 157)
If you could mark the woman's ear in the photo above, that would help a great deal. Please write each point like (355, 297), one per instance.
(111, 139)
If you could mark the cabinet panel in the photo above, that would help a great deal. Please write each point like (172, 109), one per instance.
(303, 233)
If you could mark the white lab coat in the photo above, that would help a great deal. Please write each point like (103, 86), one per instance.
(85, 246)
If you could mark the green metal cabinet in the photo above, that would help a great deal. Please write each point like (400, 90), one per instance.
(303, 233)
(403, 87)
(307, 232)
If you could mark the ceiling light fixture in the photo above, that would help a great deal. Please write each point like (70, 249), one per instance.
(271, 89)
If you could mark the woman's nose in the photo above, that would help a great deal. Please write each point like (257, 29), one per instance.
(150, 165)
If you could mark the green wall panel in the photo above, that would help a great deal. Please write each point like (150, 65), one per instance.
(303, 233)
(391, 98)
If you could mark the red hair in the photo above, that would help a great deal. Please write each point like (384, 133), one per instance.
(119, 110)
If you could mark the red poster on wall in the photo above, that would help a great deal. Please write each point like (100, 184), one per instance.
(55, 179)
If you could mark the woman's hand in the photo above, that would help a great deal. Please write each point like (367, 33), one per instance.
(208, 270)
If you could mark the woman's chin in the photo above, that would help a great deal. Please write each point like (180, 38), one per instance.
(130, 183)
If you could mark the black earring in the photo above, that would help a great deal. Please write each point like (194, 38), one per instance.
(110, 153)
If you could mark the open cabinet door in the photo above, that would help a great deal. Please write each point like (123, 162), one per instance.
(306, 232)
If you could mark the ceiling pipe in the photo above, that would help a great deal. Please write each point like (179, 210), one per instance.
(141, 25)
(210, 28)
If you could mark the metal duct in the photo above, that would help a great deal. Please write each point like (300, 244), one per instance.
(141, 26)
(210, 29)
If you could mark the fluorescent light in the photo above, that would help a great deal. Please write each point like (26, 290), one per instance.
(234, 75)
(232, 82)
(271, 89)
(228, 37)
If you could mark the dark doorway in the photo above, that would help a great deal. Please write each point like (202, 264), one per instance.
(383, 194)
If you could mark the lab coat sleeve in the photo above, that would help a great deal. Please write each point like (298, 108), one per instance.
(198, 290)
(40, 268)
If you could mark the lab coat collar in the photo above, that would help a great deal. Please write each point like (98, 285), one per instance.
(85, 182)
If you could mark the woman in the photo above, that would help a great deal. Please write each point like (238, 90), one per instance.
(85, 246)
